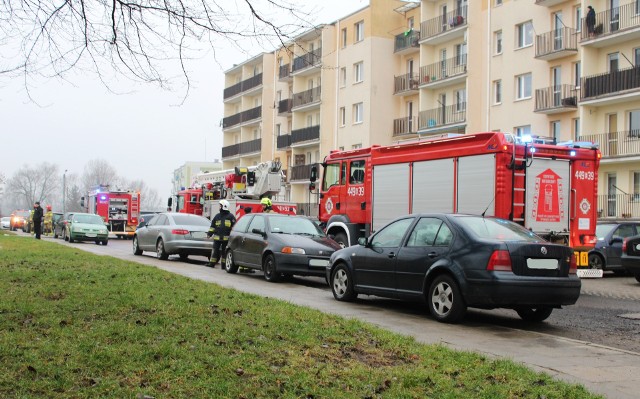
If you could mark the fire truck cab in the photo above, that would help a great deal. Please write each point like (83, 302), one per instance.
(119, 209)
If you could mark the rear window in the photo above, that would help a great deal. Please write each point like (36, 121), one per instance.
(603, 229)
(497, 229)
(191, 220)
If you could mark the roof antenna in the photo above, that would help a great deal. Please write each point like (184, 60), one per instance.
(487, 208)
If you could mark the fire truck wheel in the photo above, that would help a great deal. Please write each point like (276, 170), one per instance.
(229, 264)
(270, 269)
(136, 248)
(160, 252)
(596, 262)
(342, 284)
(341, 239)
(534, 314)
(445, 301)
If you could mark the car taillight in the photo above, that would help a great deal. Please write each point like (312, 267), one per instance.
(586, 239)
(573, 265)
(180, 232)
(500, 261)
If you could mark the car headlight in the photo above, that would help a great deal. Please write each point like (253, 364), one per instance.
(104, 231)
(292, 250)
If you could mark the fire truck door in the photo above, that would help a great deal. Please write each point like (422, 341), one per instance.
(355, 203)
(476, 184)
(433, 185)
(548, 184)
(334, 189)
(390, 197)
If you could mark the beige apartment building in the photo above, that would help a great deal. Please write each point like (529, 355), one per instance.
(405, 70)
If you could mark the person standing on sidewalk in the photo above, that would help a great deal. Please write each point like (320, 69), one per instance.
(37, 216)
(220, 229)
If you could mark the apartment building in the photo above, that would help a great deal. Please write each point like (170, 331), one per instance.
(405, 70)
(184, 176)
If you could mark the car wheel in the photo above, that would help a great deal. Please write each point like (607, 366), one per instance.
(98, 242)
(534, 314)
(638, 278)
(596, 262)
(160, 252)
(342, 240)
(183, 256)
(229, 264)
(342, 284)
(445, 300)
(136, 247)
(270, 270)
(71, 240)
(105, 242)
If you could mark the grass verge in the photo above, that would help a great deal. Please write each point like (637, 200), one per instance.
(76, 325)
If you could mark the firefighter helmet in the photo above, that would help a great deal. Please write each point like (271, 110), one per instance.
(224, 205)
(265, 202)
(48, 207)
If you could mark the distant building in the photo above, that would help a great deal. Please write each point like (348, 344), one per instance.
(184, 175)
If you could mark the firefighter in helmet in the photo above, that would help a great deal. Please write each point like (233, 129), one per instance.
(220, 229)
(48, 221)
(266, 205)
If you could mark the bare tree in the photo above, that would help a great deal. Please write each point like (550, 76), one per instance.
(144, 40)
(28, 185)
(98, 172)
(149, 198)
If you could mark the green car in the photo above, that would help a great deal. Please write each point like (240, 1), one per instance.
(87, 227)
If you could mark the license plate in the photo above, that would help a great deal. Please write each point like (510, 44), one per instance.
(90, 235)
(198, 234)
(582, 258)
(548, 264)
(319, 262)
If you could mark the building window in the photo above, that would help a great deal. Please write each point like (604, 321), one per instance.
(344, 37)
(356, 146)
(576, 128)
(343, 116)
(577, 74)
(523, 130)
(358, 110)
(636, 56)
(555, 130)
(525, 34)
(461, 54)
(578, 19)
(358, 72)
(523, 85)
(634, 123)
(636, 186)
(498, 42)
(613, 62)
(497, 92)
(461, 100)
(343, 77)
(498, 3)
(359, 31)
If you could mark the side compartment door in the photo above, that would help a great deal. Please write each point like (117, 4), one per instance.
(476, 184)
(433, 186)
(390, 193)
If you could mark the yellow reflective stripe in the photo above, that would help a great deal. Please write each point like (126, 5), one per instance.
(227, 223)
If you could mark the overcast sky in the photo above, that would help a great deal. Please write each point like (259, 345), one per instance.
(145, 134)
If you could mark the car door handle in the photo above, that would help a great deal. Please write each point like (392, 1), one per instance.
(391, 255)
(433, 255)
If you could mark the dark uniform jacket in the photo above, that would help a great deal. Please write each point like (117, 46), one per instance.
(221, 226)
(37, 214)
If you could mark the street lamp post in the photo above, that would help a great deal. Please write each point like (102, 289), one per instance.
(64, 191)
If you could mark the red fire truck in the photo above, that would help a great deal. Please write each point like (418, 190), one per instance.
(119, 209)
(243, 187)
(551, 189)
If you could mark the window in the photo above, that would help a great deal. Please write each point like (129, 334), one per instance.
(257, 223)
(525, 34)
(358, 110)
(555, 130)
(523, 86)
(497, 92)
(358, 73)
(392, 234)
(461, 100)
(497, 38)
(359, 31)
(575, 123)
(636, 56)
(344, 37)
(429, 232)
(634, 123)
(461, 54)
(577, 74)
(613, 62)
(578, 19)
(636, 185)
(343, 116)
(356, 172)
(523, 130)
(498, 3)
(343, 77)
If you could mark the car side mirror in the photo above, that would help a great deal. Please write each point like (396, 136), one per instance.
(363, 241)
(615, 239)
(258, 231)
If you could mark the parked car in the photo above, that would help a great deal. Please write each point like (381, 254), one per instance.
(5, 223)
(608, 249)
(55, 218)
(19, 220)
(173, 233)
(60, 227)
(87, 227)
(631, 256)
(455, 261)
(279, 245)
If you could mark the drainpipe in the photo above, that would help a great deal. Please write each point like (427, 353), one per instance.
(488, 79)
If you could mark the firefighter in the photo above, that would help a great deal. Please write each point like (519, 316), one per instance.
(266, 205)
(220, 229)
(37, 219)
(48, 219)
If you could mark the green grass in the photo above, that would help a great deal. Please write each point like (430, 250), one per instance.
(76, 325)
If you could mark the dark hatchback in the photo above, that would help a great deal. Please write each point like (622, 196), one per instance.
(455, 261)
(608, 250)
(279, 245)
(631, 256)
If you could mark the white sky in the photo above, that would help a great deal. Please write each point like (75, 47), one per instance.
(145, 135)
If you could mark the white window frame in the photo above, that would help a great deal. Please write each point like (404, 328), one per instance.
(633, 123)
(524, 34)
(498, 42)
(343, 116)
(358, 72)
(461, 100)
(358, 32)
(344, 37)
(577, 13)
(523, 86)
(522, 130)
(343, 76)
(358, 113)
(575, 123)
(555, 128)
(497, 92)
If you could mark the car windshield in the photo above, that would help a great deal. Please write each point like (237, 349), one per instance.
(89, 219)
(603, 229)
(497, 229)
(294, 225)
(190, 220)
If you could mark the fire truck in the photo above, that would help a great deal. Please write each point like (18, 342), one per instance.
(548, 188)
(243, 187)
(119, 209)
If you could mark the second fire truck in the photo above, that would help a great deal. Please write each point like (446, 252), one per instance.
(119, 209)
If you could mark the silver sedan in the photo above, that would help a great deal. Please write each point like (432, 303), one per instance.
(173, 233)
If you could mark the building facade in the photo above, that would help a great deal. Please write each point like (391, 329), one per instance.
(184, 175)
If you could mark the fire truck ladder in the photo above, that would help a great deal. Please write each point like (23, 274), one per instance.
(519, 188)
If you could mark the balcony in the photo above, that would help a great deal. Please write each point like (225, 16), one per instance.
(307, 61)
(284, 73)
(407, 42)
(284, 106)
(306, 98)
(302, 172)
(556, 44)
(243, 86)
(248, 147)
(618, 206)
(616, 144)
(444, 73)
(612, 26)
(549, 3)
(311, 133)
(613, 87)
(556, 99)
(406, 84)
(404, 126)
(242, 117)
(449, 118)
(283, 141)
(444, 28)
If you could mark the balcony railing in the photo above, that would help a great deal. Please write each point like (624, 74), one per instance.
(616, 144)
(444, 69)
(302, 172)
(612, 21)
(407, 125)
(443, 23)
(610, 83)
(556, 98)
(306, 97)
(308, 60)
(409, 39)
(406, 82)
(442, 116)
(246, 147)
(305, 134)
(618, 206)
(284, 106)
(558, 41)
(244, 116)
(283, 141)
(284, 72)
(243, 86)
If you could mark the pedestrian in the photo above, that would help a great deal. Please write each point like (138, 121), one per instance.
(591, 21)
(220, 229)
(267, 205)
(37, 218)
